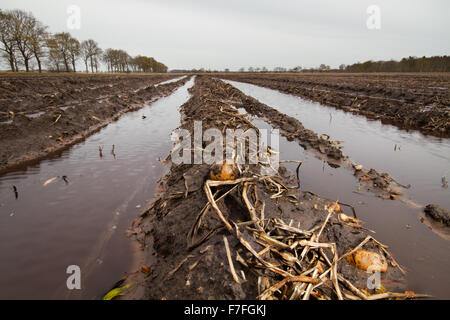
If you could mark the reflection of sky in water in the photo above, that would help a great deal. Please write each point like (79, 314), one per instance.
(65, 223)
(421, 161)
(422, 252)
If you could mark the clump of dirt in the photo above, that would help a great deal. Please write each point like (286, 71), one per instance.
(410, 101)
(438, 213)
(256, 236)
(28, 139)
(379, 183)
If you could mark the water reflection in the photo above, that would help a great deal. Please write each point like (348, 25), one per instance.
(81, 219)
(409, 157)
(423, 253)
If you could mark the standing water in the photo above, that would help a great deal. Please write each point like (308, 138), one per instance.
(80, 217)
(409, 157)
(423, 253)
(170, 81)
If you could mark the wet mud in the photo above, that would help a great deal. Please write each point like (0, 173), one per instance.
(68, 109)
(409, 101)
(74, 207)
(193, 252)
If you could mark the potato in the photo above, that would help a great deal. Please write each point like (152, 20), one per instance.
(368, 261)
(225, 170)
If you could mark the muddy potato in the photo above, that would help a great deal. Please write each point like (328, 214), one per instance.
(145, 269)
(225, 170)
(345, 218)
(368, 261)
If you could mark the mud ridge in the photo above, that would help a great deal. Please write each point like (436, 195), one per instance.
(321, 146)
(26, 140)
(410, 101)
(189, 257)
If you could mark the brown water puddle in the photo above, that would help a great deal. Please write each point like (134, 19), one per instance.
(81, 219)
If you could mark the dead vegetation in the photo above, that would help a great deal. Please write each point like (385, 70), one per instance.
(255, 235)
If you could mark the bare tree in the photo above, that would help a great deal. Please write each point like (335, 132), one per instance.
(117, 60)
(324, 67)
(59, 45)
(90, 52)
(64, 47)
(120, 61)
(159, 67)
(85, 53)
(95, 57)
(74, 51)
(23, 23)
(55, 56)
(108, 58)
(37, 41)
(24, 39)
(8, 47)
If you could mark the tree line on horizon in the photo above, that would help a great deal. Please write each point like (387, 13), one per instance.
(410, 64)
(25, 40)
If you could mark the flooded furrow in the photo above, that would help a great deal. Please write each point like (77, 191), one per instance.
(80, 217)
(422, 252)
(411, 158)
(170, 81)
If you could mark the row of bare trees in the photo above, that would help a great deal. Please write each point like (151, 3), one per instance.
(24, 40)
(147, 64)
(121, 61)
(22, 37)
(64, 51)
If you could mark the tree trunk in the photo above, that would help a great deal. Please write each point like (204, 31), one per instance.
(66, 63)
(39, 63)
(73, 64)
(92, 66)
(86, 64)
(15, 65)
(11, 62)
(25, 61)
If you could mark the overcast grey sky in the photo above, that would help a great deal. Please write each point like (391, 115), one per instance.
(217, 34)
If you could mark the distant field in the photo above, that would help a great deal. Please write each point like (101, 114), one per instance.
(412, 100)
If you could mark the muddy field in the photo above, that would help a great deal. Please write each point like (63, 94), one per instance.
(243, 246)
(249, 235)
(410, 101)
(44, 114)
